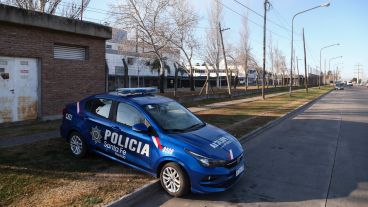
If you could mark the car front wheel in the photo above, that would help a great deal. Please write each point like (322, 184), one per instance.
(77, 144)
(174, 180)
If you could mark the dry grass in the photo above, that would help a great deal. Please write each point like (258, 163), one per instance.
(242, 118)
(30, 128)
(45, 174)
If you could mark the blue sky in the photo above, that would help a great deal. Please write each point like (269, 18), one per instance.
(344, 22)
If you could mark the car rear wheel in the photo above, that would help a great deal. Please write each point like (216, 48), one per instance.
(77, 144)
(174, 180)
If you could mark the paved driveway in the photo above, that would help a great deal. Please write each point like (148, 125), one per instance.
(317, 158)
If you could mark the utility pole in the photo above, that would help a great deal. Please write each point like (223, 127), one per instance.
(224, 53)
(319, 78)
(305, 65)
(82, 8)
(358, 69)
(266, 7)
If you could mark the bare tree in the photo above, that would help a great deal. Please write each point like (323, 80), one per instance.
(185, 19)
(271, 54)
(234, 60)
(46, 6)
(71, 9)
(280, 64)
(213, 46)
(74, 9)
(151, 19)
(244, 49)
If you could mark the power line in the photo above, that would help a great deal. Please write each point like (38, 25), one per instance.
(260, 15)
(259, 25)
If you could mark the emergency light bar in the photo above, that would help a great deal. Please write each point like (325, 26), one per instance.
(134, 91)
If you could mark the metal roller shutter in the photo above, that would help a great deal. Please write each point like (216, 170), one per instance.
(69, 52)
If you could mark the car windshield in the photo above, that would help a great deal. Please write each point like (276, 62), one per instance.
(173, 117)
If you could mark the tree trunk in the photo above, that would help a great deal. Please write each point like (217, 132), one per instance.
(162, 76)
(236, 80)
(175, 79)
(191, 77)
(126, 75)
(246, 81)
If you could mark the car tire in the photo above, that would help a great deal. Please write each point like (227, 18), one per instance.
(77, 145)
(174, 180)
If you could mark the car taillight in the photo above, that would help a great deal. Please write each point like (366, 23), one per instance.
(64, 111)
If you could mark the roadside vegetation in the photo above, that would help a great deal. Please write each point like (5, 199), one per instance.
(45, 173)
(239, 119)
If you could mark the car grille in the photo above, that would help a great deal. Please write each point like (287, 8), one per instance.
(234, 162)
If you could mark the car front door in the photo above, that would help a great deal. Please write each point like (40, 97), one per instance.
(134, 147)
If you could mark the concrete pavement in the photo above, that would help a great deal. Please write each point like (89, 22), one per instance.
(319, 157)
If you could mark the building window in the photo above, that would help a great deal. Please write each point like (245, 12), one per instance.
(70, 52)
(108, 46)
(130, 61)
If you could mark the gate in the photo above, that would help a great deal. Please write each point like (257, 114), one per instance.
(18, 89)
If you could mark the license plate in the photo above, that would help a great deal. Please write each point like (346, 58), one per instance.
(239, 170)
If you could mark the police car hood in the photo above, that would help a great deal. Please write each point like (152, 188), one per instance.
(211, 142)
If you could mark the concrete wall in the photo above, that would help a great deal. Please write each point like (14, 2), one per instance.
(18, 16)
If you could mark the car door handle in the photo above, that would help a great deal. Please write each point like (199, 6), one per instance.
(115, 128)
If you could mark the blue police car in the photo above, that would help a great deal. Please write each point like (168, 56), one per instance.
(155, 135)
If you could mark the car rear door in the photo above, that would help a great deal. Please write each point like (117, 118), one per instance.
(97, 121)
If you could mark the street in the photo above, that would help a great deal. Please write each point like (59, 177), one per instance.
(317, 158)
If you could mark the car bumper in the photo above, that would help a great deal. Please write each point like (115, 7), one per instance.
(211, 180)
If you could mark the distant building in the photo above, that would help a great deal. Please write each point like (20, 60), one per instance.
(200, 74)
(139, 63)
(47, 61)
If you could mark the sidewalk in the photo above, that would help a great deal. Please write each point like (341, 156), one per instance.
(9, 141)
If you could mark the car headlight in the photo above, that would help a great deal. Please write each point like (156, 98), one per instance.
(205, 161)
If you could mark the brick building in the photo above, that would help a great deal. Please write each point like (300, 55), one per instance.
(46, 62)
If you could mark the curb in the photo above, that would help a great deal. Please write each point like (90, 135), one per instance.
(154, 186)
(246, 138)
(138, 194)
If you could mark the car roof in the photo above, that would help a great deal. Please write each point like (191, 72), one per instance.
(140, 99)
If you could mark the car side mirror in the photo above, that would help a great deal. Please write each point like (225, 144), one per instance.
(142, 128)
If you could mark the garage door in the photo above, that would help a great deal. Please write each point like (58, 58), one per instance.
(18, 89)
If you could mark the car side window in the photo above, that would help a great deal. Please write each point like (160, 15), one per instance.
(100, 107)
(129, 116)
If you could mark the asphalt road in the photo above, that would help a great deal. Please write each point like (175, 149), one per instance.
(319, 157)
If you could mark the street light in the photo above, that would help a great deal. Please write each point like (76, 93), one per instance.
(329, 61)
(320, 60)
(292, 39)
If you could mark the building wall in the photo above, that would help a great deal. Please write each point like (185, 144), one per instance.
(61, 81)
(116, 53)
